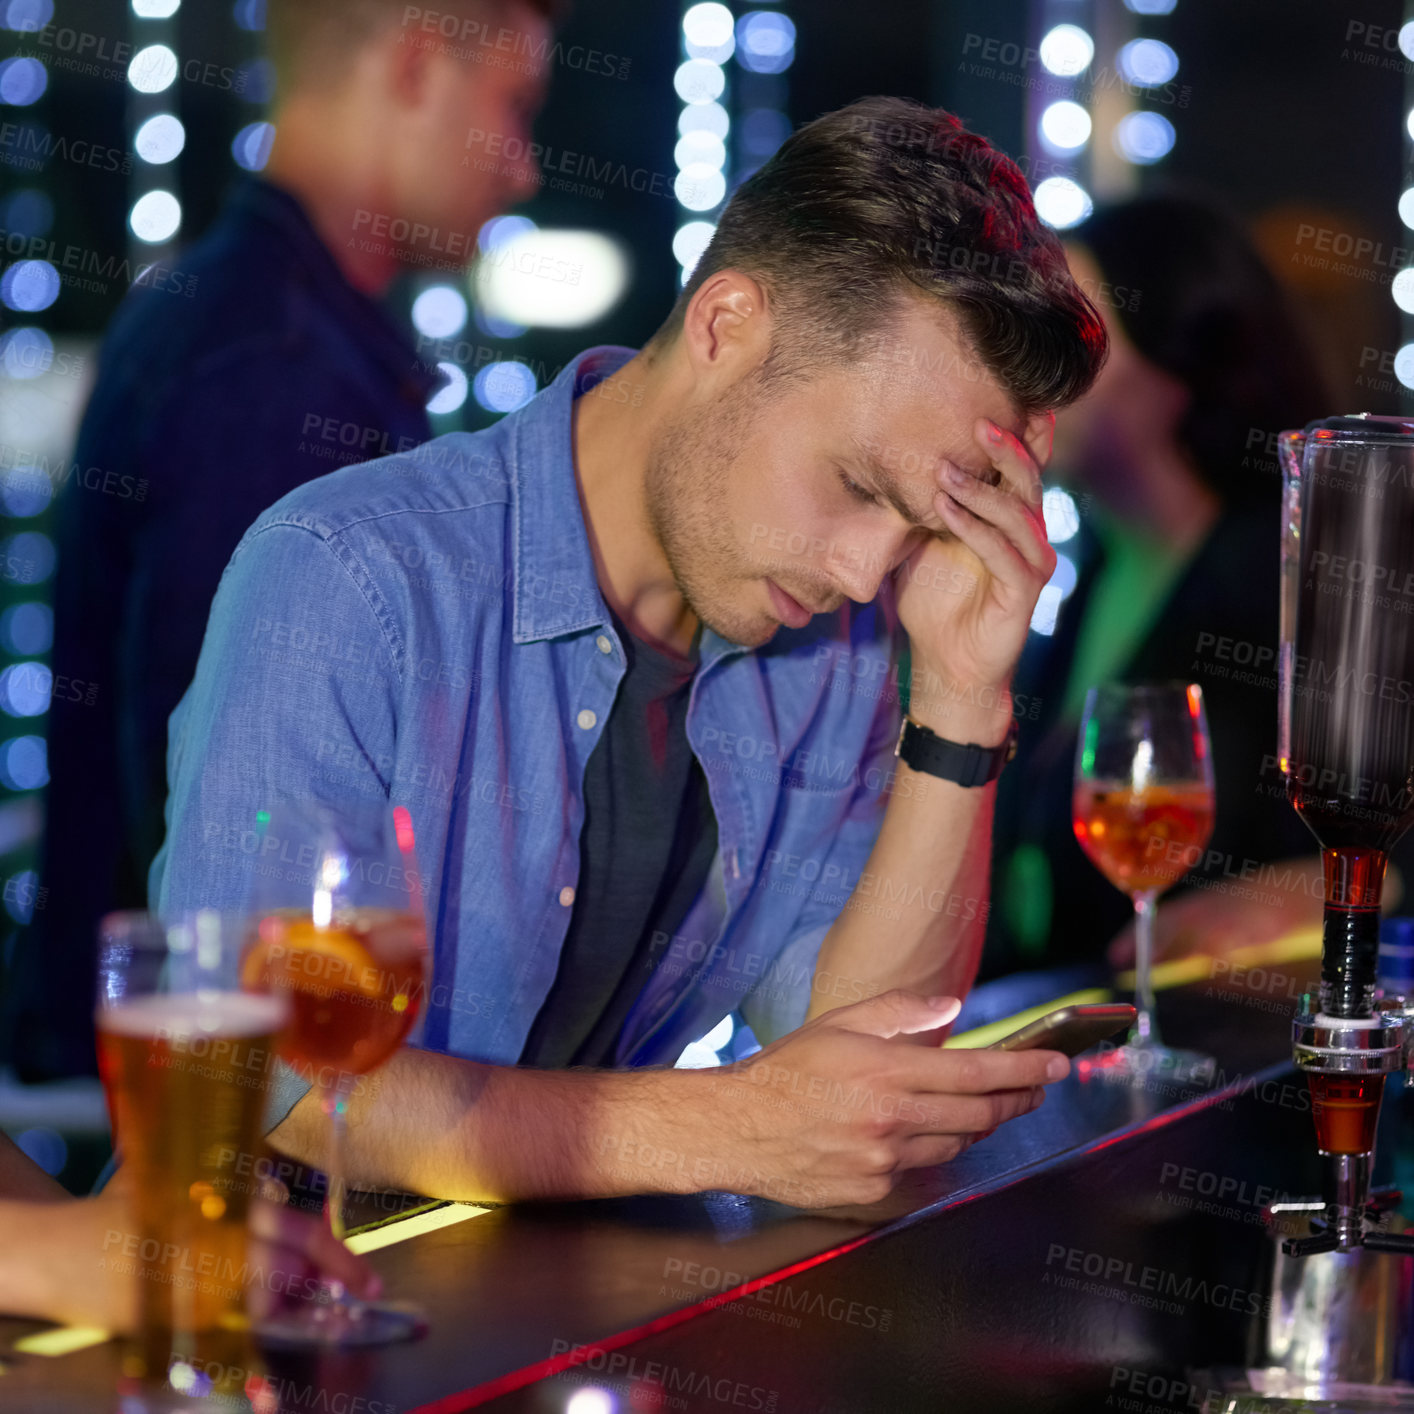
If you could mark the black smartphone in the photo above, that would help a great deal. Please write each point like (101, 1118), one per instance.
(1071, 1029)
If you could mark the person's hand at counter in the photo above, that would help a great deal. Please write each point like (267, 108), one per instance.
(831, 1113)
(63, 1259)
(836, 1112)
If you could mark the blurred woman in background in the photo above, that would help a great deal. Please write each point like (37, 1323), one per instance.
(1175, 559)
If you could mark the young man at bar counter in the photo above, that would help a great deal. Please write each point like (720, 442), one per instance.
(622, 657)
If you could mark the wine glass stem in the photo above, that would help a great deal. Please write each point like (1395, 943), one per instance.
(1146, 1030)
(335, 1102)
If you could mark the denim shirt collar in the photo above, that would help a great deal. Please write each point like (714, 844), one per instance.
(550, 538)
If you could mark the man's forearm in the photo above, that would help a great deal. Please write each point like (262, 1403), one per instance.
(930, 865)
(452, 1128)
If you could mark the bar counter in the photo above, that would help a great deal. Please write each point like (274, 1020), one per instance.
(1110, 1240)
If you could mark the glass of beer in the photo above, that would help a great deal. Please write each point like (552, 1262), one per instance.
(1142, 809)
(186, 1058)
(337, 927)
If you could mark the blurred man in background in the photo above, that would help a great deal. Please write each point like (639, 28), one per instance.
(280, 366)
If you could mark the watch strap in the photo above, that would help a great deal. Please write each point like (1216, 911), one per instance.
(968, 765)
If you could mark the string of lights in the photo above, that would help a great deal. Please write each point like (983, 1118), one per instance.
(1066, 117)
(31, 290)
(1402, 286)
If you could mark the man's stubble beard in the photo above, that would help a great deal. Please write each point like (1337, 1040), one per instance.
(688, 493)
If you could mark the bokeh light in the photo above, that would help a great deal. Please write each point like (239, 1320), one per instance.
(29, 286)
(28, 16)
(704, 118)
(26, 352)
(690, 242)
(504, 387)
(27, 629)
(1062, 203)
(439, 312)
(765, 42)
(1065, 125)
(1061, 514)
(25, 689)
(24, 764)
(25, 491)
(251, 146)
(29, 557)
(161, 138)
(1066, 50)
(155, 217)
(153, 69)
(452, 394)
(1402, 290)
(1147, 62)
(1144, 137)
(22, 81)
(699, 81)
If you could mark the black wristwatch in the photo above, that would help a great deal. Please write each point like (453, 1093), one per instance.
(969, 765)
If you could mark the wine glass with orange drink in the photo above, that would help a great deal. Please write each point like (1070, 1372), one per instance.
(337, 926)
(1142, 809)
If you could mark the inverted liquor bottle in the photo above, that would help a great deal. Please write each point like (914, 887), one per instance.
(1347, 674)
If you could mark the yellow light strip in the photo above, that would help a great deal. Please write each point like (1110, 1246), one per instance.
(1298, 946)
(1291, 947)
(64, 1340)
(400, 1229)
(995, 1030)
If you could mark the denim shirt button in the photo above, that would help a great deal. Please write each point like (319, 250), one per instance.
(586, 719)
(566, 895)
(604, 645)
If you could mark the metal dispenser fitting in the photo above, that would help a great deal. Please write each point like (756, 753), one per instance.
(1374, 1045)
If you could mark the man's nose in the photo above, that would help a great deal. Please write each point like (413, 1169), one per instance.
(857, 573)
(859, 569)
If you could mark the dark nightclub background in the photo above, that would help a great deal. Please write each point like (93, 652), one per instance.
(115, 155)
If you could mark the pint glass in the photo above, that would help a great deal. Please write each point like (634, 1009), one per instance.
(186, 1060)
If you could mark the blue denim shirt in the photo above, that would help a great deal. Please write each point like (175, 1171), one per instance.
(428, 627)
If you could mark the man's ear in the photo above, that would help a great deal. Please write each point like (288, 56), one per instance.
(1038, 436)
(727, 324)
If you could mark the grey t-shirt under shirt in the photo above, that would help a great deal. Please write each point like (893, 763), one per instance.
(647, 844)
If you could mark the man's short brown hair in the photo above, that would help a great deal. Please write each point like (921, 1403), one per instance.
(887, 198)
(310, 41)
